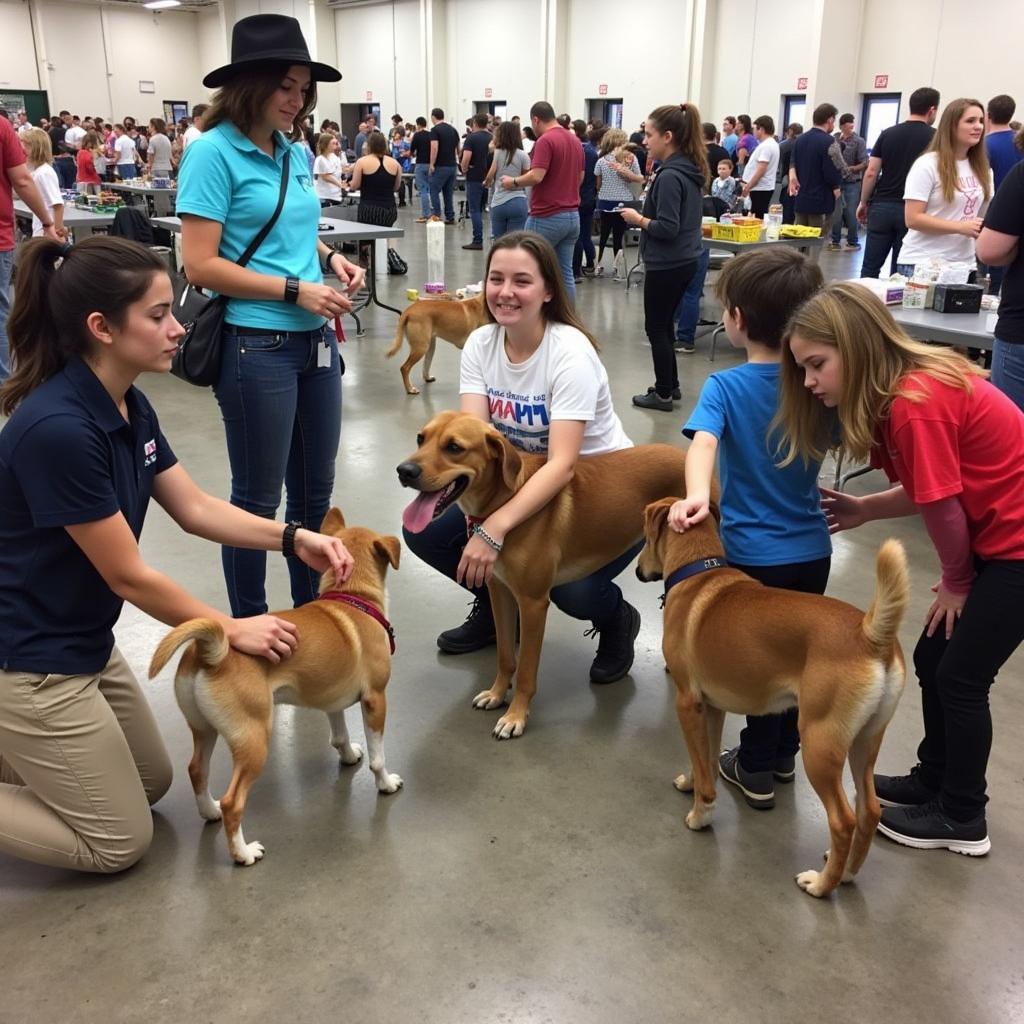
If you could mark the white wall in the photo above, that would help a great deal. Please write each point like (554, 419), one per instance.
(211, 44)
(17, 64)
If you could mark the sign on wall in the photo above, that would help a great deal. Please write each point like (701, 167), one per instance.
(801, 84)
(602, 89)
(881, 81)
(488, 93)
(369, 94)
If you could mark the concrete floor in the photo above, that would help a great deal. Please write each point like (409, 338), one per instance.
(550, 879)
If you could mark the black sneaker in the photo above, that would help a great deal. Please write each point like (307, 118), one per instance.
(688, 347)
(473, 245)
(474, 634)
(677, 395)
(929, 827)
(652, 400)
(903, 790)
(784, 768)
(615, 647)
(756, 787)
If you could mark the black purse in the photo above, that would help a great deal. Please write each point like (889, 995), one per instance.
(197, 360)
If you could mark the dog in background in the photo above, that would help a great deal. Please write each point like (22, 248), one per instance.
(735, 645)
(426, 320)
(343, 656)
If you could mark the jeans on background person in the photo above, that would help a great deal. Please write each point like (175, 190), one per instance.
(885, 230)
(127, 172)
(475, 195)
(1008, 370)
(847, 213)
(282, 417)
(67, 171)
(561, 230)
(585, 243)
(422, 172)
(442, 182)
(760, 200)
(6, 266)
(788, 206)
(508, 216)
(662, 291)
(687, 314)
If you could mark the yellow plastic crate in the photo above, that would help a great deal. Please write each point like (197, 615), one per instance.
(736, 232)
(799, 231)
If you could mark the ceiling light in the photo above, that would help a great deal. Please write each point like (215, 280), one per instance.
(156, 5)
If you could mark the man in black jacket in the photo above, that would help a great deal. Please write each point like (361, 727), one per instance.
(814, 179)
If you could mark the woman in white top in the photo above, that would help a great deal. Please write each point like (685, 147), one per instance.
(948, 190)
(534, 373)
(39, 157)
(329, 169)
(616, 168)
(126, 156)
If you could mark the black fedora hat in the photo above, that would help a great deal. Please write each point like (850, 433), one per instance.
(268, 37)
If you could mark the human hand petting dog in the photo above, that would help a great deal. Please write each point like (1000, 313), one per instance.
(477, 563)
(947, 606)
(689, 512)
(842, 511)
(321, 553)
(265, 636)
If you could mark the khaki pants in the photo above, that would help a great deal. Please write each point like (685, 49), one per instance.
(81, 760)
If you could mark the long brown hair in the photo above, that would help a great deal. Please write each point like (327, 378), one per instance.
(508, 138)
(57, 290)
(876, 357)
(558, 309)
(944, 144)
(687, 129)
(242, 99)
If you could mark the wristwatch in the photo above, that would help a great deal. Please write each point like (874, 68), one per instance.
(291, 290)
(288, 538)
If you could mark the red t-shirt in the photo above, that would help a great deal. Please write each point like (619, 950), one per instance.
(11, 155)
(560, 153)
(968, 445)
(86, 168)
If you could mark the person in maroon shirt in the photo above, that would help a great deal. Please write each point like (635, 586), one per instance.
(556, 173)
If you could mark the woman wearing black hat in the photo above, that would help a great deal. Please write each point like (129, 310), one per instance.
(279, 389)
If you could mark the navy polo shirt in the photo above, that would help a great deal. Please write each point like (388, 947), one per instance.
(67, 456)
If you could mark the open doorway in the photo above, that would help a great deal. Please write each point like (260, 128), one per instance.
(352, 114)
(607, 110)
(499, 108)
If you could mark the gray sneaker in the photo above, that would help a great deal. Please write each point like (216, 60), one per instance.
(757, 787)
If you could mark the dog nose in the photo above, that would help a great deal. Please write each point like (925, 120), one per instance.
(409, 473)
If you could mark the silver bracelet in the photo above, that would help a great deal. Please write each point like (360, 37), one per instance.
(480, 532)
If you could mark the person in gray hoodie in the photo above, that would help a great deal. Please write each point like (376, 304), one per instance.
(670, 243)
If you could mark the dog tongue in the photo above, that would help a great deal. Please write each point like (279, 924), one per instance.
(420, 512)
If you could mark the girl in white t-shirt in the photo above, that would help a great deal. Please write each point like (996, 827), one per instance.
(534, 373)
(948, 190)
(328, 169)
(39, 157)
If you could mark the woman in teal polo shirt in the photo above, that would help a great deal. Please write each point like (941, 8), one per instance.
(280, 385)
(81, 758)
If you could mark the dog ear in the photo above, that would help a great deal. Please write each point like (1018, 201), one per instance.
(390, 548)
(655, 516)
(333, 521)
(503, 450)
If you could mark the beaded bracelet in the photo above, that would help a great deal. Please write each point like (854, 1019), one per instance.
(480, 532)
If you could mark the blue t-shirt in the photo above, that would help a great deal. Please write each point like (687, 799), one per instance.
(770, 516)
(226, 177)
(1002, 154)
(67, 456)
(730, 142)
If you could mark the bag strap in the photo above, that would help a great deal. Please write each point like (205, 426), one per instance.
(265, 230)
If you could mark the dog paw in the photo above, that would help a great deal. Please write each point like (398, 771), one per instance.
(697, 820)
(413, 391)
(388, 782)
(486, 701)
(209, 809)
(350, 754)
(247, 854)
(508, 728)
(812, 883)
(429, 380)
(684, 783)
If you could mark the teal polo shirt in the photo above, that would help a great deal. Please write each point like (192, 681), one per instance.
(226, 177)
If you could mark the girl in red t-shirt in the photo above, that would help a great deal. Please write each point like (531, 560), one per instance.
(954, 446)
(87, 178)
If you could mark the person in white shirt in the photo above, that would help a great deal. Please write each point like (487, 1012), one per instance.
(328, 169)
(762, 167)
(74, 135)
(158, 153)
(195, 129)
(534, 373)
(23, 124)
(126, 156)
(948, 190)
(39, 157)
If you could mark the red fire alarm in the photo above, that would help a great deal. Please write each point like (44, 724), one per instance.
(881, 81)
(602, 90)
(801, 84)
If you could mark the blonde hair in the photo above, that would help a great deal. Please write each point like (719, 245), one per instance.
(614, 138)
(944, 144)
(326, 138)
(876, 356)
(37, 147)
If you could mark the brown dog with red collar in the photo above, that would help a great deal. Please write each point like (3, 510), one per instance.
(343, 656)
(735, 645)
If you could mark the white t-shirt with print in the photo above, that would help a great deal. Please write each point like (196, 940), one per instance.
(330, 164)
(968, 202)
(46, 181)
(124, 147)
(767, 152)
(563, 380)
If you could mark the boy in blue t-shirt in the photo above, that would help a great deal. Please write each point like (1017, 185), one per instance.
(773, 527)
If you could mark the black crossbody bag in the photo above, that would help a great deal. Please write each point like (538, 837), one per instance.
(197, 360)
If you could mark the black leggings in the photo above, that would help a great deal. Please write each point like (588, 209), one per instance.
(955, 678)
(662, 291)
(614, 223)
(770, 737)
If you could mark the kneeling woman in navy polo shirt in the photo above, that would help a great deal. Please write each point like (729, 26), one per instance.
(81, 758)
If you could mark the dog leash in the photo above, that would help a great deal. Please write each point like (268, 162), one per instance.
(684, 572)
(364, 606)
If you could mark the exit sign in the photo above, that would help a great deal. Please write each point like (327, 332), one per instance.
(602, 90)
(881, 81)
(488, 93)
(369, 94)
(801, 84)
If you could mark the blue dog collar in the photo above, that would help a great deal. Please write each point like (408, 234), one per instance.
(693, 569)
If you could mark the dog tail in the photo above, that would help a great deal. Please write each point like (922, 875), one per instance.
(208, 636)
(399, 334)
(892, 593)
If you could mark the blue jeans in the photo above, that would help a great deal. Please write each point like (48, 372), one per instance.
(886, 227)
(422, 173)
(443, 181)
(6, 266)
(688, 311)
(561, 230)
(1008, 370)
(282, 417)
(585, 243)
(126, 172)
(850, 198)
(508, 216)
(594, 599)
(474, 200)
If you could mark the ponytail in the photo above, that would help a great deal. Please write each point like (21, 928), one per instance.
(687, 129)
(58, 287)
